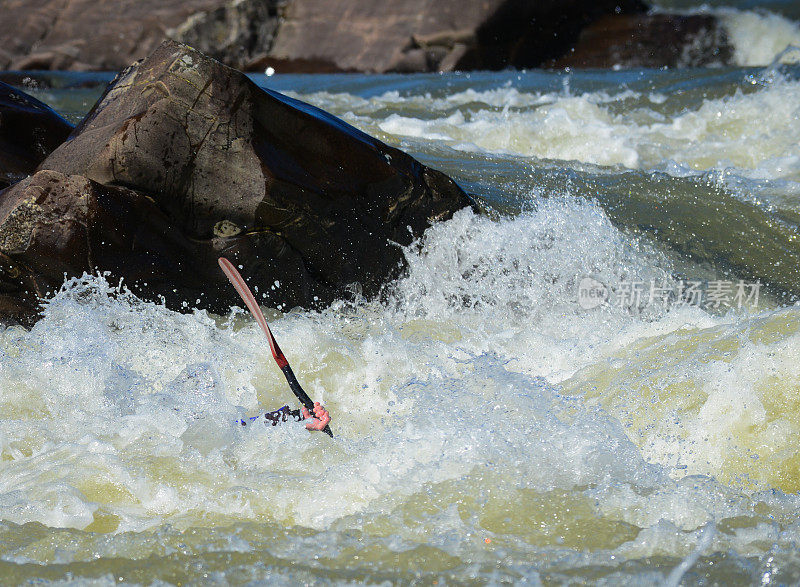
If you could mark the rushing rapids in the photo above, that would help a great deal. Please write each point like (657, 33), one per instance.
(540, 398)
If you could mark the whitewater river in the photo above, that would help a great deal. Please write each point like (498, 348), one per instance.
(597, 380)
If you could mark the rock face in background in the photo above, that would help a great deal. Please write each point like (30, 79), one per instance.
(29, 131)
(650, 40)
(183, 160)
(86, 34)
(440, 35)
(352, 35)
(238, 33)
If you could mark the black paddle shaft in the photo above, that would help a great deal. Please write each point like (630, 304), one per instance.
(294, 385)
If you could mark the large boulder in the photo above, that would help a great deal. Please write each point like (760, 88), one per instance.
(52, 224)
(29, 131)
(189, 160)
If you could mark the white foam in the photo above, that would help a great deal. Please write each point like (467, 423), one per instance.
(759, 38)
(752, 134)
(156, 394)
(468, 388)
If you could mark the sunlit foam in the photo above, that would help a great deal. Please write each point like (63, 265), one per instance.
(752, 134)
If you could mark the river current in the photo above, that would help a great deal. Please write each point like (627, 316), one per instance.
(597, 380)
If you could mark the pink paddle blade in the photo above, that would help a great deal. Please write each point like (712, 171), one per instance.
(247, 296)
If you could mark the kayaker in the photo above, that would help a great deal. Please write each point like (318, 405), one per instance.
(318, 421)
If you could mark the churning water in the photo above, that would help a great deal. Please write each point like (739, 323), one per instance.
(598, 380)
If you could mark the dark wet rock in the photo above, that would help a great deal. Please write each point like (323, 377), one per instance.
(29, 131)
(184, 159)
(650, 40)
(52, 224)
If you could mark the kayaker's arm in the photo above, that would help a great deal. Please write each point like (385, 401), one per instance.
(320, 419)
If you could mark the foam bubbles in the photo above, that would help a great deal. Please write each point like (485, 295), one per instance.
(462, 411)
(750, 133)
(759, 38)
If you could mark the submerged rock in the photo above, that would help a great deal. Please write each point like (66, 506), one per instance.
(183, 159)
(29, 131)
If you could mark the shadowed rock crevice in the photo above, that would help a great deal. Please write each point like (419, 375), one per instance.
(185, 159)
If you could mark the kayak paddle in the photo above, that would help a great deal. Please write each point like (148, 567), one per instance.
(247, 296)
